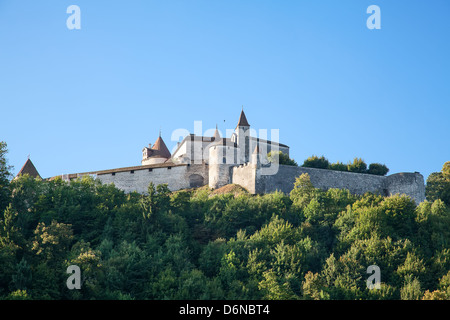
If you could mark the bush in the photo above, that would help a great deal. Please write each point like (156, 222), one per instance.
(338, 166)
(358, 165)
(282, 159)
(378, 169)
(316, 162)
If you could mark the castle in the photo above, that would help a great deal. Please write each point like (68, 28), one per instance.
(242, 159)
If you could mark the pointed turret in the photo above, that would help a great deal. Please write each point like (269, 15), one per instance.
(216, 134)
(157, 153)
(30, 169)
(161, 147)
(242, 120)
(243, 137)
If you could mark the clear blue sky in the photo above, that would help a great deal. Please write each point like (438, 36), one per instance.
(91, 99)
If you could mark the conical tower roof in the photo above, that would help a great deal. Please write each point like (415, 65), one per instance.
(30, 169)
(161, 147)
(243, 120)
(216, 134)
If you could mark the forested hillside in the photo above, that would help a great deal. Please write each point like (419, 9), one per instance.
(203, 244)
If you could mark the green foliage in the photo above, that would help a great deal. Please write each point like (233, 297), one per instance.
(378, 169)
(5, 175)
(281, 158)
(358, 165)
(438, 185)
(338, 166)
(310, 244)
(316, 162)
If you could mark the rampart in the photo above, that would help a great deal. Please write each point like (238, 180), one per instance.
(411, 184)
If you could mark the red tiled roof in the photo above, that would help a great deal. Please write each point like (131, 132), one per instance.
(161, 147)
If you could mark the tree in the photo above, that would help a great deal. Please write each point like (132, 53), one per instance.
(156, 201)
(358, 165)
(303, 191)
(438, 185)
(5, 175)
(378, 169)
(21, 280)
(446, 170)
(276, 287)
(316, 162)
(411, 289)
(281, 158)
(53, 241)
(338, 166)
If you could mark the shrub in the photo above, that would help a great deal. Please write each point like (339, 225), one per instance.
(316, 162)
(358, 165)
(378, 169)
(338, 166)
(282, 158)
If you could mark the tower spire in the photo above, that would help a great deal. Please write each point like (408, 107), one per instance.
(243, 120)
(216, 134)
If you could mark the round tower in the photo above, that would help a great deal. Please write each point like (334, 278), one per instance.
(222, 157)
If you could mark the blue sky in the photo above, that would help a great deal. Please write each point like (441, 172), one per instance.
(91, 99)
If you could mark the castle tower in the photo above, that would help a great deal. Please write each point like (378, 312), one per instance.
(156, 154)
(222, 157)
(243, 137)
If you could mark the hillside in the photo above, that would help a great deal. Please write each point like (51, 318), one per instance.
(219, 244)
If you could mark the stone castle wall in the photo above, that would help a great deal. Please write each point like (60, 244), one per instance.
(245, 176)
(252, 178)
(177, 177)
(411, 184)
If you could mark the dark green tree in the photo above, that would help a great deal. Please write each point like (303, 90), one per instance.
(5, 176)
(438, 185)
(378, 169)
(281, 158)
(316, 162)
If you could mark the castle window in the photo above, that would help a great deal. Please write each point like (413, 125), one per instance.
(168, 168)
(132, 171)
(113, 174)
(224, 160)
(150, 169)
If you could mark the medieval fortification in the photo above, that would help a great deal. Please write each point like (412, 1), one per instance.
(242, 159)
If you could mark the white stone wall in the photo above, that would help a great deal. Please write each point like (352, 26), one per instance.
(222, 158)
(193, 148)
(153, 160)
(177, 177)
(245, 176)
(140, 179)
